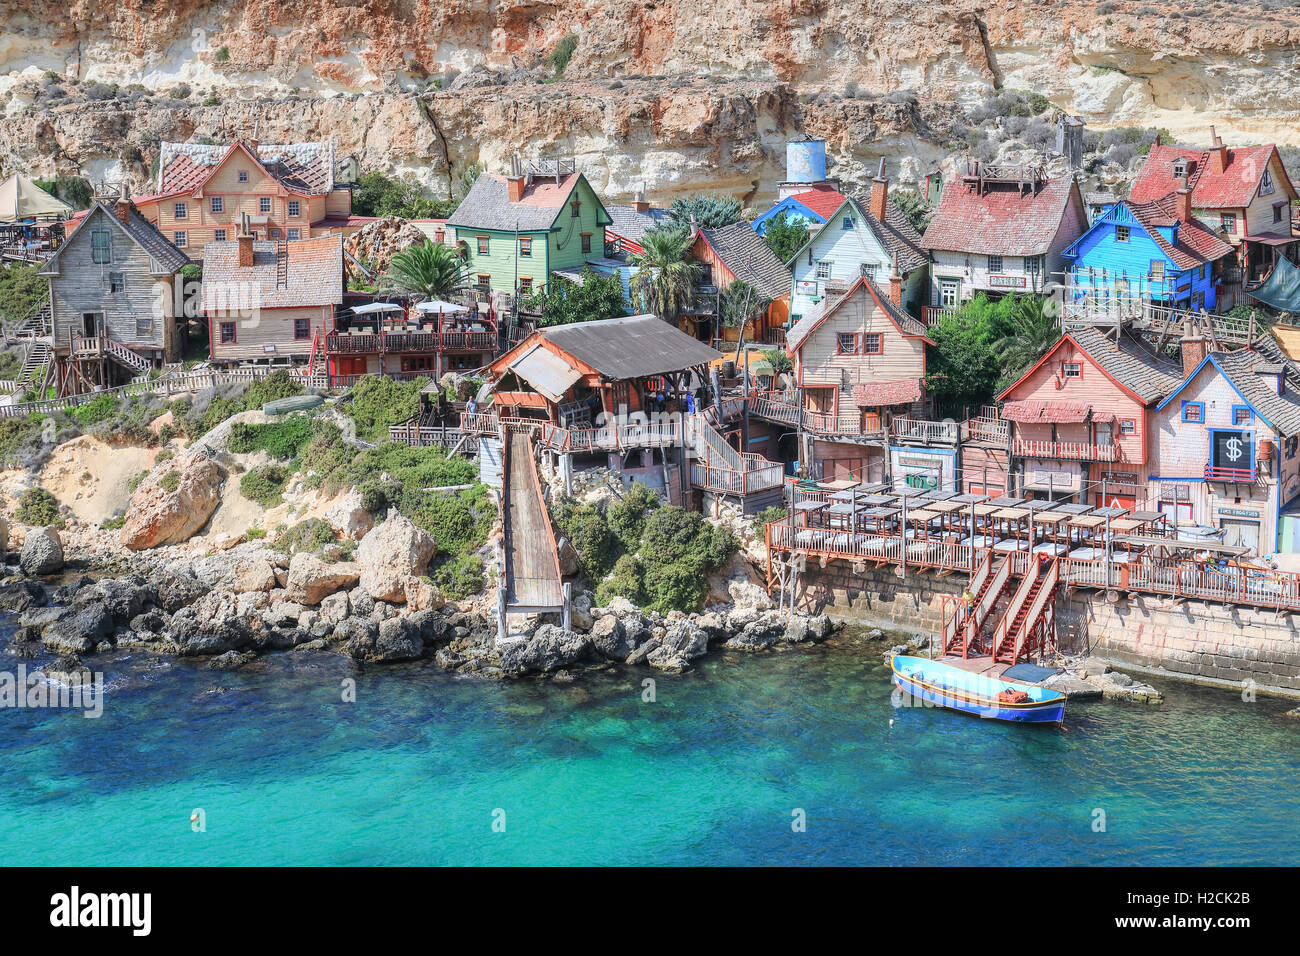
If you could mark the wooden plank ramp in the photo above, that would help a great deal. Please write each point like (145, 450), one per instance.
(532, 564)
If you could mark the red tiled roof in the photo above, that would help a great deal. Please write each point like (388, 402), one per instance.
(1003, 220)
(1197, 243)
(902, 392)
(823, 200)
(1234, 188)
(1032, 410)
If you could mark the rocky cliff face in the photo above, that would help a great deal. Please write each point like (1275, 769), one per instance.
(670, 93)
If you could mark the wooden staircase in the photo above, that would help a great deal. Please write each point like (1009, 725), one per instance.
(317, 374)
(961, 632)
(1030, 621)
(34, 364)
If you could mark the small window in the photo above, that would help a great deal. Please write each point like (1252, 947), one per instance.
(179, 210)
(219, 235)
(116, 283)
(243, 175)
(1180, 167)
(484, 245)
(275, 233)
(1121, 233)
(848, 222)
(848, 343)
(143, 326)
(295, 233)
(525, 285)
(824, 269)
(295, 208)
(575, 209)
(301, 329)
(1072, 369)
(1228, 223)
(1242, 415)
(1034, 265)
(484, 281)
(525, 247)
(949, 293)
(1158, 269)
(1194, 412)
(227, 333)
(869, 270)
(218, 203)
(1277, 211)
(101, 246)
(873, 343)
(264, 204)
(178, 240)
(586, 243)
(1128, 426)
(995, 263)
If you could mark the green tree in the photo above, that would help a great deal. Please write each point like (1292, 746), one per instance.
(597, 296)
(913, 205)
(21, 291)
(73, 190)
(380, 195)
(709, 211)
(740, 302)
(964, 367)
(431, 271)
(786, 236)
(664, 282)
(1033, 329)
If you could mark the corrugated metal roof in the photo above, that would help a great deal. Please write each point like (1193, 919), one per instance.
(546, 372)
(631, 347)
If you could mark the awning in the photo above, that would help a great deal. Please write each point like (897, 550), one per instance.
(1039, 411)
(519, 399)
(1272, 238)
(1281, 288)
(438, 306)
(546, 372)
(372, 307)
(902, 392)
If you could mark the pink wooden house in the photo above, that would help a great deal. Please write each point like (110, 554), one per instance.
(1080, 418)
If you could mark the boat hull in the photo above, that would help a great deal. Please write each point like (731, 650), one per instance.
(925, 683)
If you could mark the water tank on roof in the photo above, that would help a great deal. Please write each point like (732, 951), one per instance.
(805, 161)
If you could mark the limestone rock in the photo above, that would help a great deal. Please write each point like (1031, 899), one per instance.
(42, 551)
(156, 516)
(390, 554)
(548, 649)
(611, 639)
(349, 517)
(254, 575)
(311, 579)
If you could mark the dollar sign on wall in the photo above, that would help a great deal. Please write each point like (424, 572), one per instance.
(1234, 449)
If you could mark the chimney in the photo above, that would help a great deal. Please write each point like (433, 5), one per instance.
(879, 193)
(695, 227)
(639, 202)
(245, 241)
(896, 285)
(122, 208)
(1183, 201)
(252, 146)
(1192, 347)
(515, 182)
(1218, 153)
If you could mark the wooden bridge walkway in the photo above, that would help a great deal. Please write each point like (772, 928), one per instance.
(532, 563)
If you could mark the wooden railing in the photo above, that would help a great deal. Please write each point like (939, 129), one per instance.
(1242, 475)
(1065, 450)
(927, 433)
(995, 431)
(934, 314)
(166, 386)
(403, 341)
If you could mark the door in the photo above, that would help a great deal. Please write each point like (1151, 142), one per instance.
(91, 323)
(1102, 434)
(1241, 533)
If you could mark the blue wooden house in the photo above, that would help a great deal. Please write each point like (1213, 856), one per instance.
(863, 236)
(813, 206)
(1152, 252)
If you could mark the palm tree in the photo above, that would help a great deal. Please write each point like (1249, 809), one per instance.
(430, 271)
(665, 279)
(1034, 330)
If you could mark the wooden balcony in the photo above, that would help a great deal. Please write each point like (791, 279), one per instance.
(373, 343)
(912, 431)
(1245, 476)
(991, 431)
(1065, 450)
(934, 314)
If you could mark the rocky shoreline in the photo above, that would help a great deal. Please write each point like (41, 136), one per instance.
(233, 606)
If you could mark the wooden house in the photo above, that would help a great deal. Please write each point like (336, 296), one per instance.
(1243, 194)
(113, 300)
(1139, 254)
(516, 231)
(1000, 229)
(863, 236)
(1225, 443)
(859, 363)
(811, 207)
(731, 253)
(1080, 417)
(270, 301)
(629, 223)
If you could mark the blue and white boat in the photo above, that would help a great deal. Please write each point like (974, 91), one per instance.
(926, 683)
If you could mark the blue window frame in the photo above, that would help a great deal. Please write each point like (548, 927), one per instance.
(1194, 412)
(1242, 415)
(848, 222)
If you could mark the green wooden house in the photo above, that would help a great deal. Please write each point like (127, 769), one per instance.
(517, 230)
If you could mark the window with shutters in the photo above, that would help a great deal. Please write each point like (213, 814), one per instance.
(101, 246)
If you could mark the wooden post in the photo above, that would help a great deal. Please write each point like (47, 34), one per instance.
(568, 606)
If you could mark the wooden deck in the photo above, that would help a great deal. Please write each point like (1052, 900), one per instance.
(532, 565)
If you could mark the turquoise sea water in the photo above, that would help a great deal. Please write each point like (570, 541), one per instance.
(587, 773)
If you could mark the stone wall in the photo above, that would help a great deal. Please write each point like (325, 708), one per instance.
(1202, 641)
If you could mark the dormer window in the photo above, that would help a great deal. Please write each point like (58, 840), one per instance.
(1180, 167)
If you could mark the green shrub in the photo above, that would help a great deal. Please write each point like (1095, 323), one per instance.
(265, 485)
(563, 53)
(379, 401)
(114, 523)
(134, 483)
(170, 481)
(282, 439)
(20, 435)
(627, 517)
(307, 536)
(166, 454)
(38, 508)
(674, 587)
(589, 533)
(254, 534)
(281, 383)
(459, 522)
(627, 581)
(460, 577)
(767, 516)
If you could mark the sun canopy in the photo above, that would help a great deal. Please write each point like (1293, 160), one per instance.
(21, 198)
(437, 305)
(371, 307)
(546, 372)
(1281, 289)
